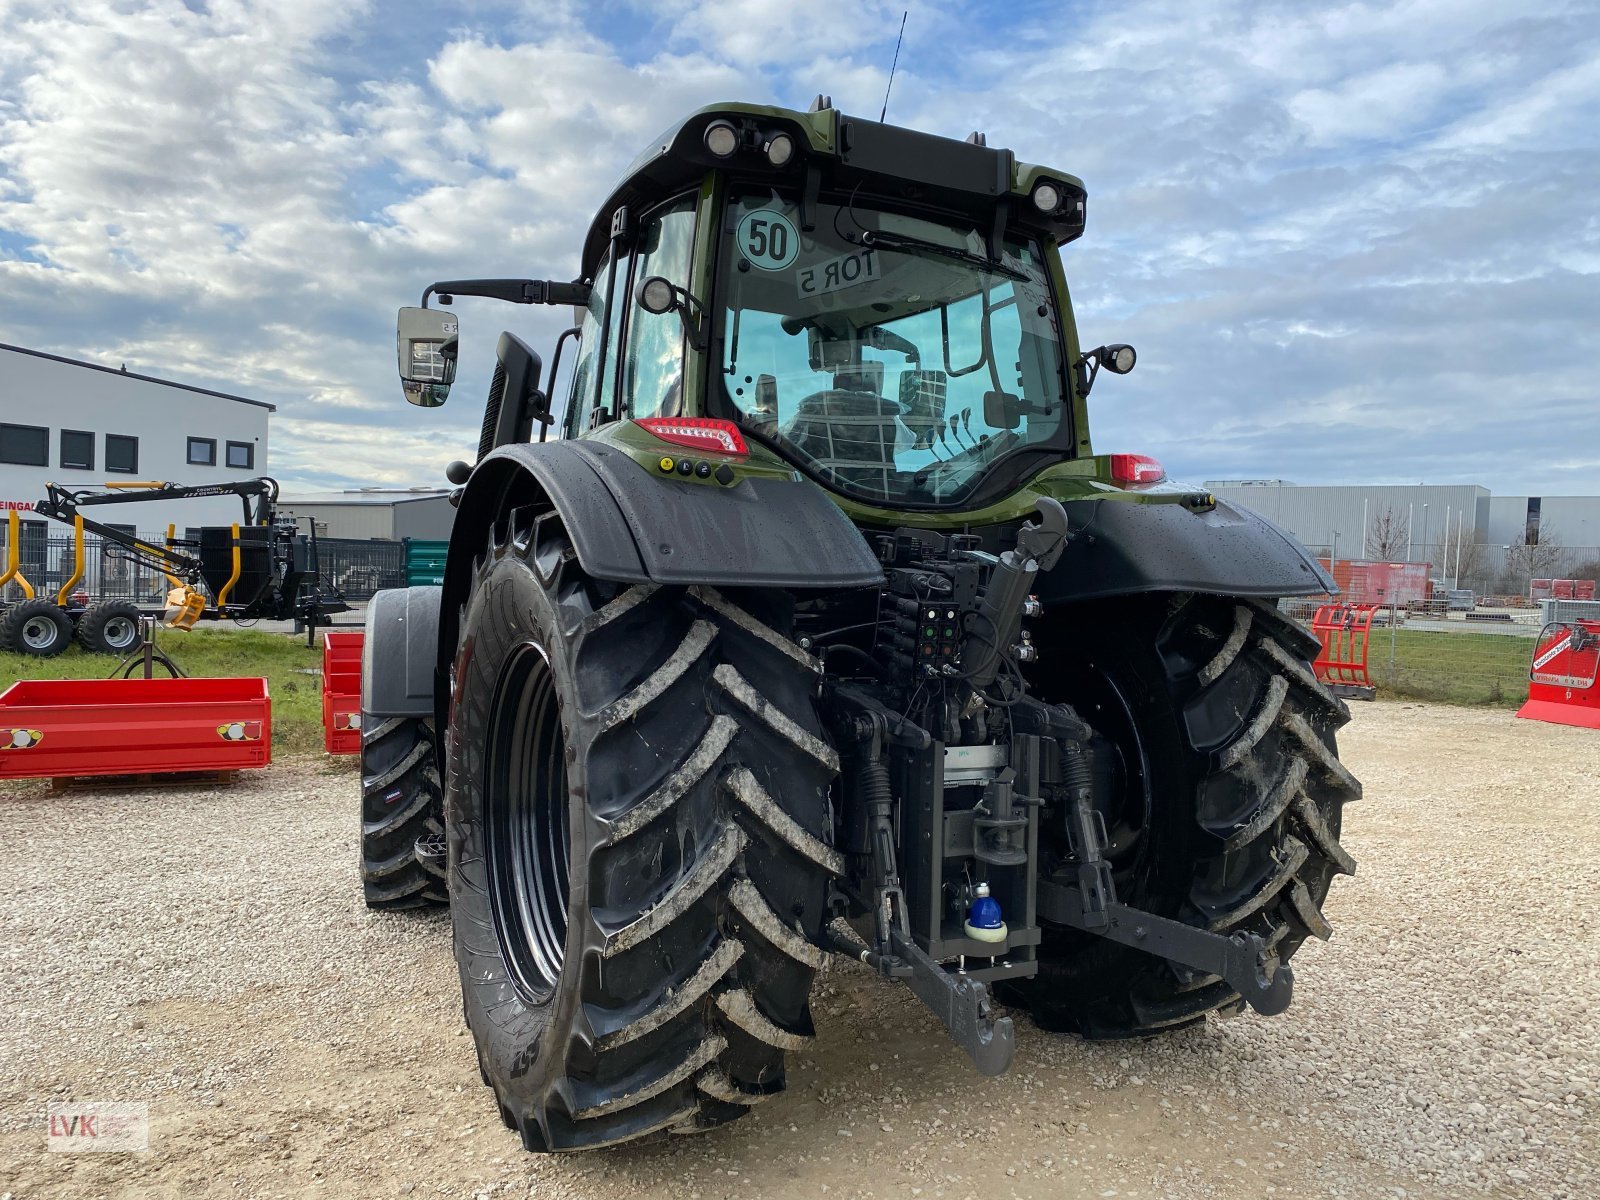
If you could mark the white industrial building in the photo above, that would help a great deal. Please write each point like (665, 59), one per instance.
(393, 514)
(1344, 518)
(80, 424)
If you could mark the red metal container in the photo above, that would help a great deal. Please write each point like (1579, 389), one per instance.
(341, 691)
(60, 728)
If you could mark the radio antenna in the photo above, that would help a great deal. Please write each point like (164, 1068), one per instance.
(903, 15)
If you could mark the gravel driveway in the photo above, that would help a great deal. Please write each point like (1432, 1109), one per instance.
(207, 951)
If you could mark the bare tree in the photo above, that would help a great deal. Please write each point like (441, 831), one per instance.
(1537, 561)
(1386, 536)
(1469, 563)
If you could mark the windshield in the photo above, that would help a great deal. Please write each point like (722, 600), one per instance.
(885, 353)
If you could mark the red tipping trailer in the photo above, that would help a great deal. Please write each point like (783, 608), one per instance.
(64, 728)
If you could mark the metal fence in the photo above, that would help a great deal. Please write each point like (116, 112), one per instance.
(1502, 576)
(360, 568)
(1469, 638)
(355, 568)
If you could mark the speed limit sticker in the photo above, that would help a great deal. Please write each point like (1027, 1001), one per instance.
(767, 239)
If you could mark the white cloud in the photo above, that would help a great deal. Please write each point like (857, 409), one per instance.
(1326, 226)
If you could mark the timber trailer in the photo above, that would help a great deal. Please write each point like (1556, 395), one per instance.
(260, 567)
(819, 628)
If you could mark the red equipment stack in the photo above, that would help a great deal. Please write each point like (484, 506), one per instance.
(341, 692)
(1344, 630)
(1561, 682)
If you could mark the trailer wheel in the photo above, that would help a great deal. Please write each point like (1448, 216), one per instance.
(637, 804)
(111, 628)
(1226, 797)
(400, 808)
(36, 627)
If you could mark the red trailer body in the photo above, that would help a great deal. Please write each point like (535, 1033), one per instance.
(1380, 583)
(1562, 684)
(62, 728)
(341, 692)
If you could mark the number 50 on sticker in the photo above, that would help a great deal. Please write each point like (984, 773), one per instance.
(767, 239)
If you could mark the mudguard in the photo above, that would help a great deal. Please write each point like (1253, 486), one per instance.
(630, 526)
(400, 653)
(1123, 547)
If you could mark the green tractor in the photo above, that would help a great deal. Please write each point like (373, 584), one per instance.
(818, 628)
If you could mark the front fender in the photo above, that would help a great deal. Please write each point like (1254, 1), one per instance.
(1124, 547)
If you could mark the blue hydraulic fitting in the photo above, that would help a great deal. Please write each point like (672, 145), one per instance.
(984, 922)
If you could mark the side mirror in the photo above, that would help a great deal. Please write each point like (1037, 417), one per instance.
(1002, 410)
(427, 343)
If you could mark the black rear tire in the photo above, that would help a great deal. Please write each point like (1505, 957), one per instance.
(38, 628)
(1227, 794)
(109, 628)
(400, 809)
(637, 803)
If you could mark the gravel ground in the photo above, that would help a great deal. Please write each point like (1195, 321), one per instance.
(207, 951)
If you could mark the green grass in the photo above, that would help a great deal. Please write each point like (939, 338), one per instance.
(214, 653)
(1454, 668)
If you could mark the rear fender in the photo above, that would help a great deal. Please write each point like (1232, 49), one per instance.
(628, 525)
(1122, 548)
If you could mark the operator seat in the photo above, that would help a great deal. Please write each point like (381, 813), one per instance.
(849, 435)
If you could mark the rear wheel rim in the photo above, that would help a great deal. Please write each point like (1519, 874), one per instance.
(40, 633)
(1129, 809)
(528, 849)
(120, 632)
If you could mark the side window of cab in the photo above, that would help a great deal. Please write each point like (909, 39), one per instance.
(581, 399)
(652, 356)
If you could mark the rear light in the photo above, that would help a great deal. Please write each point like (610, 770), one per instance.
(1136, 468)
(698, 433)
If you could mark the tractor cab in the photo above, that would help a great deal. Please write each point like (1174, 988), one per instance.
(881, 309)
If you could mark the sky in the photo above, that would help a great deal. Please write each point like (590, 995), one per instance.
(1353, 243)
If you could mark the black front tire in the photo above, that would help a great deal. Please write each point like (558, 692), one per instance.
(38, 628)
(109, 628)
(1226, 802)
(400, 814)
(637, 803)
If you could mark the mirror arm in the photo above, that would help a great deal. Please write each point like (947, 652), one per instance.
(548, 418)
(514, 291)
(1087, 368)
(698, 326)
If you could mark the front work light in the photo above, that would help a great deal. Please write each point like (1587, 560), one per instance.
(780, 149)
(656, 295)
(722, 139)
(1046, 197)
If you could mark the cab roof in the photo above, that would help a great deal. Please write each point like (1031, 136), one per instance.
(831, 151)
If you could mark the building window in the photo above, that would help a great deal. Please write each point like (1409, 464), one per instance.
(242, 456)
(25, 445)
(202, 452)
(122, 453)
(77, 449)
